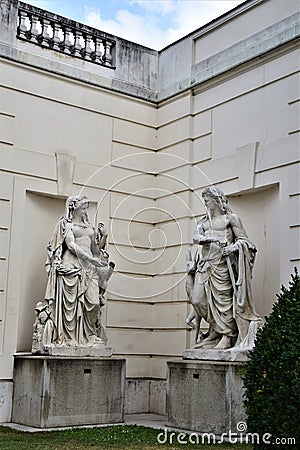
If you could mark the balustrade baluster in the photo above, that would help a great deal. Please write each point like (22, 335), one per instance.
(34, 30)
(86, 53)
(56, 39)
(22, 26)
(98, 53)
(45, 36)
(67, 44)
(107, 57)
(77, 45)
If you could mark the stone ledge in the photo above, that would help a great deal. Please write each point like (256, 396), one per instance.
(215, 355)
(96, 350)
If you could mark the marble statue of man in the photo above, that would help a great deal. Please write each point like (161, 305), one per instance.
(78, 269)
(219, 276)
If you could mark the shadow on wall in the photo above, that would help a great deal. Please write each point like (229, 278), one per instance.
(259, 213)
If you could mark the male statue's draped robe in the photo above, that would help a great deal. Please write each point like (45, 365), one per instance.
(227, 304)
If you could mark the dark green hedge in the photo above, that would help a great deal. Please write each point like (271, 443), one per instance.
(272, 374)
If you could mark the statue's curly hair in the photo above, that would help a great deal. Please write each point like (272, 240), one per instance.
(73, 203)
(219, 197)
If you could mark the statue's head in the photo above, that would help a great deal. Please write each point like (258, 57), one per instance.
(218, 197)
(73, 203)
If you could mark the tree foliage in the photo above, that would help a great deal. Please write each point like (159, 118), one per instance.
(272, 373)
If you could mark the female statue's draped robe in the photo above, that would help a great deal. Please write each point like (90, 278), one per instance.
(72, 291)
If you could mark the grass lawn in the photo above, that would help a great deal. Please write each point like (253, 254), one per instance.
(111, 437)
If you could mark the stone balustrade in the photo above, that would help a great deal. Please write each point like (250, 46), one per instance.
(60, 34)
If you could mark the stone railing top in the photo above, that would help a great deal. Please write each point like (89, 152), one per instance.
(67, 36)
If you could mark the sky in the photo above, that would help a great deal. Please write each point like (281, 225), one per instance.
(153, 23)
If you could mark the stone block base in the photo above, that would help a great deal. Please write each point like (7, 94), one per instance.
(205, 396)
(6, 389)
(59, 391)
(145, 396)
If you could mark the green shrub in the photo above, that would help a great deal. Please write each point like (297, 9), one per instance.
(272, 374)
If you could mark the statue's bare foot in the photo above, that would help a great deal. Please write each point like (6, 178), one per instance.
(97, 340)
(211, 337)
(224, 343)
(201, 337)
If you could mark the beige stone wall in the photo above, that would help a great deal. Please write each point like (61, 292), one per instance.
(241, 135)
(68, 126)
(61, 138)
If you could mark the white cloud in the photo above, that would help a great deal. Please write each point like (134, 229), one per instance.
(129, 26)
(158, 6)
(161, 23)
(184, 15)
(191, 14)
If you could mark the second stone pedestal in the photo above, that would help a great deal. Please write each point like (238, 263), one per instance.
(205, 396)
(68, 391)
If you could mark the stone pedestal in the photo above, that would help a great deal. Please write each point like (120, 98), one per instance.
(67, 391)
(205, 396)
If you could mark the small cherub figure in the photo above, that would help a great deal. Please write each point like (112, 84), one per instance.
(43, 327)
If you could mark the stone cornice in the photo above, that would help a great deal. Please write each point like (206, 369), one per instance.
(256, 46)
(37, 51)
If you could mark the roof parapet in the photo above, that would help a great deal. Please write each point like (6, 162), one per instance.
(58, 33)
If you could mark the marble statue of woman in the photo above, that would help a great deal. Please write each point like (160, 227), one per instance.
(78, 269)
(219, 277)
